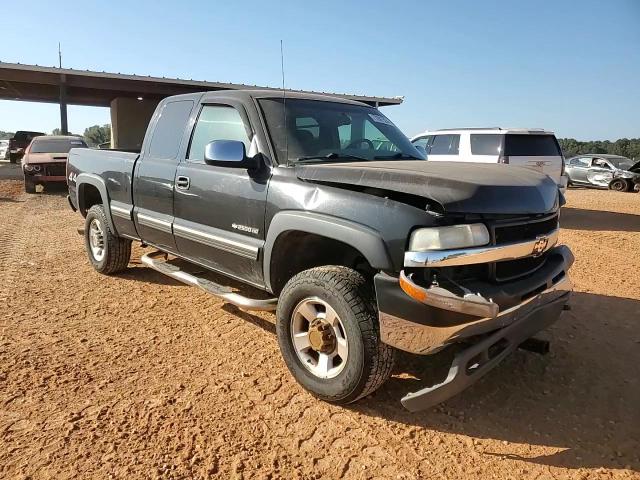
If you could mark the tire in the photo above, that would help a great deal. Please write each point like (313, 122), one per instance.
(13, 158)
(115, 251)
(347, 293)
(619, 185)
(29, 185)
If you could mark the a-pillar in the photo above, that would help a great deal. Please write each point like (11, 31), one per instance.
(129, 120)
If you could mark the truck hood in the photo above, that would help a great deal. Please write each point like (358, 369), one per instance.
(46, 157)
(459, 187)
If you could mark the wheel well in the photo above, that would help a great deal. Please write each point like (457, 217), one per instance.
(89, 196)
(295, 251)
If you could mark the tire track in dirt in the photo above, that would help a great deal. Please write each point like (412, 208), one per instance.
(13, 208)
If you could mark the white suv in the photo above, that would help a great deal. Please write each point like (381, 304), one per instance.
(532, 148)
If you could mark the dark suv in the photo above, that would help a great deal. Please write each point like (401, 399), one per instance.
(19, 143)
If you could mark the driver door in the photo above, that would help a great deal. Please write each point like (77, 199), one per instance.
(600, 172)
(219, 210)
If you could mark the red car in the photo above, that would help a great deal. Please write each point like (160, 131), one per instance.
(45, 159)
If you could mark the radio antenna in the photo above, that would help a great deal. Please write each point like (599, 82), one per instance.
(284, 106)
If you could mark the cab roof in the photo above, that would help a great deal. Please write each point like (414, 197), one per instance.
(265, 93)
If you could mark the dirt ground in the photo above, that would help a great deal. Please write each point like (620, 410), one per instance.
(137, 376)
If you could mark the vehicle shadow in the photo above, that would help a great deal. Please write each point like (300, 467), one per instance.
(264, 324)
(597, 220)
(583, 398)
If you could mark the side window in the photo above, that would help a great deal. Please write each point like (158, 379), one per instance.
(422, 142)
(216, 123)
(600, 163)
(580, 162)
(380, 141)
(169, 129)
(486, 144)
(445, 145)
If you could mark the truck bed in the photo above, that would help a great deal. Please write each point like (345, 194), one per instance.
(115, 167)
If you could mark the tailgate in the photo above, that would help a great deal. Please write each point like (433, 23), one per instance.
(551, 166)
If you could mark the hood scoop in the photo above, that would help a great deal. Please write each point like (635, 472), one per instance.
(459, 187)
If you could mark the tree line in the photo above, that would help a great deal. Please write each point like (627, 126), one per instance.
(625, 147)
(94, 135)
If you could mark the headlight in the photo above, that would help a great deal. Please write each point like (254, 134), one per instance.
(445, 238)
(28, 168)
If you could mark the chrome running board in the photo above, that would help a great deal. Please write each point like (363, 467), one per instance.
(212, 288)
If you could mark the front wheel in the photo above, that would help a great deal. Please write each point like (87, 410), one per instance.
(107, 252)
(619, 185)
(29, 185)
(329, 336)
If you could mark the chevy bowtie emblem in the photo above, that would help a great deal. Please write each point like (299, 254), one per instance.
(540, 246)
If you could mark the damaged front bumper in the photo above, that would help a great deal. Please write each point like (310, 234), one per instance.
(469, 365)
(423, 320)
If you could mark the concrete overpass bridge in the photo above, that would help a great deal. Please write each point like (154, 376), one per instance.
(131, 98)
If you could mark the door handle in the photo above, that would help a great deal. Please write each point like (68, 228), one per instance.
(183, 183)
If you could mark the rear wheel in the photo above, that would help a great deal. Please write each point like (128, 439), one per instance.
(29, 185)
(619, 185)
(329, 336)
(13, 158)
(107, 252)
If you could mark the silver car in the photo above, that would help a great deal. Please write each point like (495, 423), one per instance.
(603, 171)
(4, 149)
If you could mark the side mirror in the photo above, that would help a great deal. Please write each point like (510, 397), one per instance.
(227, 153)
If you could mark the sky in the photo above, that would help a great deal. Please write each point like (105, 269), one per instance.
(568, 66)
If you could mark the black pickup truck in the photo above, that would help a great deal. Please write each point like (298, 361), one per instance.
(359, 245)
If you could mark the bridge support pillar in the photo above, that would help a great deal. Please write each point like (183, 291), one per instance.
(129, 120)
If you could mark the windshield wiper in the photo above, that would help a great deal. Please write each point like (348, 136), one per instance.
(333, 157)
(397, 156)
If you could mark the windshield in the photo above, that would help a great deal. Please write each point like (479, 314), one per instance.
(321, 131)
(622, 163)
(56, 146)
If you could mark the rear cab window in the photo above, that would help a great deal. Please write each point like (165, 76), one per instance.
(528, 145)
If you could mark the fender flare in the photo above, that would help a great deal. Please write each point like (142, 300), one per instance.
(98, 182)
(364, 239)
